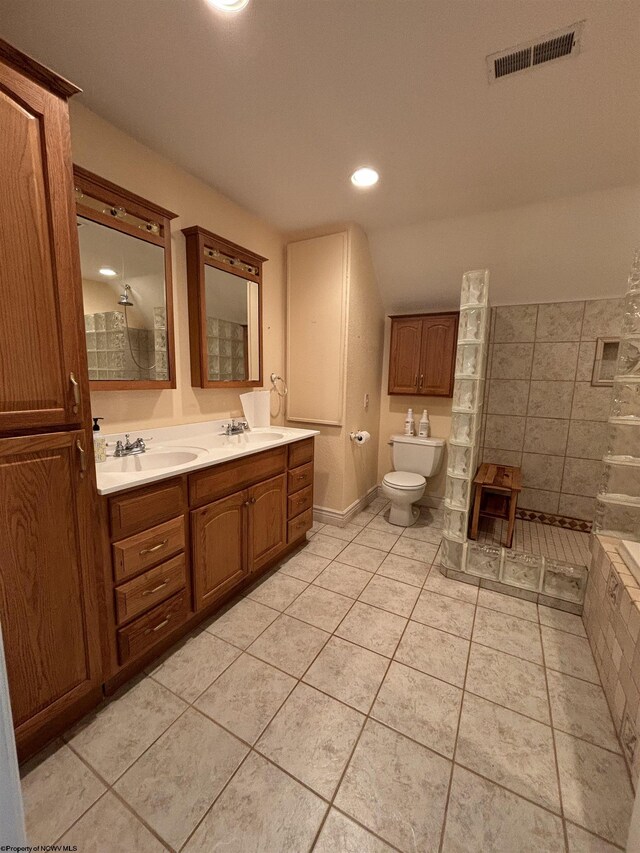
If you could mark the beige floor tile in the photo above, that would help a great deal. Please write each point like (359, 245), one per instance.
(304, 565)
(378, 505)
(580, 708)
(372, 628)
(508, 634)
(508, 604)
(581, 841)
(415, 549)
(56, 789)
(431, 517)
(419, 706)
(437, 582)
(190, 669)
(116, 734)
(243, 622)
(312, 737)
(346, 533)
(509, 749)
(507, 680)
(553, 618)
(320, 607)
(325, 546)
(596, 792)
(341, 835)
(381, 522)
(390, 595)
(439, 654)
(348, 673)
(109, 822)
(423, 532)
(173, 784)
(483, 818)
(568, 653)
(444, 613)
(289, 644)
(403, 569)
(347, 580)
(362, 557)
(363, 518)
(246, 697)
(277, 591)
(396, 788)
(262, 810)
(376, 539)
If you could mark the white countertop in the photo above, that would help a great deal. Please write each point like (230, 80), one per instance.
(183, 448)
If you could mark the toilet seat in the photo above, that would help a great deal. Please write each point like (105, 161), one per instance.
(404, 480)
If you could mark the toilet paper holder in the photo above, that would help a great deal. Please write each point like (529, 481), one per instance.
(359, 436)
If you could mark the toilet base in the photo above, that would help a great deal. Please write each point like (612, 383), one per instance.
(404, 515)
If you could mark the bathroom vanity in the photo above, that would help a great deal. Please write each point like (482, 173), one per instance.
(187, 525)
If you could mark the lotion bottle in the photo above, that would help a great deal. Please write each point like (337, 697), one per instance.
(424, 427)
(409, 426)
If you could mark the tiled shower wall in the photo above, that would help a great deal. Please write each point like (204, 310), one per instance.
(542, 413)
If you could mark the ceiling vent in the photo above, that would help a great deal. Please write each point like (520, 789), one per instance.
(560, 44)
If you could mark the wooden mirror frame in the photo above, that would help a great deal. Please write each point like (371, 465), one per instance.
(231, 258)
(89, 184)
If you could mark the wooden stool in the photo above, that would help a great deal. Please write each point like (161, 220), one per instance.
(496, 496)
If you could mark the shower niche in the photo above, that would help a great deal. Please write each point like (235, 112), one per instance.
(125, 265)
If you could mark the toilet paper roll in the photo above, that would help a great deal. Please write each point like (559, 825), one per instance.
(362, 437)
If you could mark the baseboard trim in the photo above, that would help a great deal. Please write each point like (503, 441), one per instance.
(325, 515)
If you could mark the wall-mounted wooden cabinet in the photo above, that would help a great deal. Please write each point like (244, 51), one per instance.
(422, 354)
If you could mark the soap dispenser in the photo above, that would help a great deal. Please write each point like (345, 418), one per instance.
(99, 443)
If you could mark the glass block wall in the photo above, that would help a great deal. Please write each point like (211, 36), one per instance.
(618, 501)
(226, 348)
(532, 576)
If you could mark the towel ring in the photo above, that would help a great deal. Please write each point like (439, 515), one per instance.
(283, 390)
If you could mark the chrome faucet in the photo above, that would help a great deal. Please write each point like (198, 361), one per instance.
(235, 427)
(130, 448)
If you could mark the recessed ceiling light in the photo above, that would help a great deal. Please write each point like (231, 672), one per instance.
(364, 177)
(107, 271)
(228, 5)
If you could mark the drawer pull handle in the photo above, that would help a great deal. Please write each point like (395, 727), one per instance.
(83, 457)
(75, 385)
(156, 588)
(162, 624)
(302, 476)
(154, 547)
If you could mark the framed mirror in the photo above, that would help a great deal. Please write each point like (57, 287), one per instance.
(224, 283)
(125, 260)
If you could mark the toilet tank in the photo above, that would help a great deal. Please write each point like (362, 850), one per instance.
(417, 455)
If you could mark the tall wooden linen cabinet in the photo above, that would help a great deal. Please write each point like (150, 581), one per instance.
(48, 606)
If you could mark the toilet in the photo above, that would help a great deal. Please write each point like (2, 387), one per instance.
(414, 459)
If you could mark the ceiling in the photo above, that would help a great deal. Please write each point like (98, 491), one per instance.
(276, 106)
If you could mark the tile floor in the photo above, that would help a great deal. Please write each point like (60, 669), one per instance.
(355, 701)
(558, 543)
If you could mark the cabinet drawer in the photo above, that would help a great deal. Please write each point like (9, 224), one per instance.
(299, 526)
(149, 629)
(300, 452)
(300, 477)
(221, 480)
(137, 553)
(299, 502)
(147, 590)
(137, 510)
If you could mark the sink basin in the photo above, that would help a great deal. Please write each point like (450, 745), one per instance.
(150, 461)
(261, 437)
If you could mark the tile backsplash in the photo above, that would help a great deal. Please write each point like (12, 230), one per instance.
(542, 413)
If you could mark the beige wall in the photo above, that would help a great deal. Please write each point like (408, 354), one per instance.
(102, 148)
(393, 409)
(345, 472)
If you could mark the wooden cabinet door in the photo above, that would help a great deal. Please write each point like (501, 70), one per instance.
(42, 355)
(219, 536)
(437, 355)
(267, 521)
(47, 596)
(404, 355)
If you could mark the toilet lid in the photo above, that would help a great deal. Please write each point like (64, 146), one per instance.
(404, 480)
